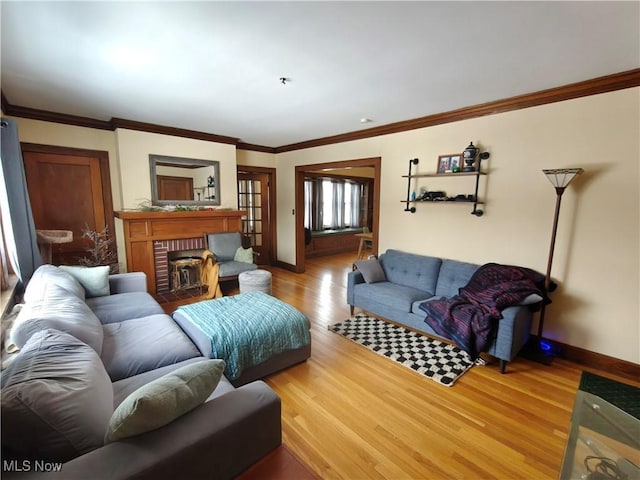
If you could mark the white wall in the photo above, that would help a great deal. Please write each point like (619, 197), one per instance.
(255, 159)
(134, 148)
(597, 251)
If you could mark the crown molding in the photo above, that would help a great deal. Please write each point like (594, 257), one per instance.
(175, 132)
(255, 148)
(47, 116)
(608, 83)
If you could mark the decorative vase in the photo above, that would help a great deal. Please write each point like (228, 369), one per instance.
(470, 153)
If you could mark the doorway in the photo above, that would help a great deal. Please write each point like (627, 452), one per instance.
(303, 170)
(256, 195)
(69, 189)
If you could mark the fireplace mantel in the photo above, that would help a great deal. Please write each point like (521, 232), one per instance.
(141, 229)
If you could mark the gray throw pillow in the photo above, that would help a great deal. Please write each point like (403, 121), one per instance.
(163, 400)
(60, 310)
(94, 280)
(371, 270)
(56, 399)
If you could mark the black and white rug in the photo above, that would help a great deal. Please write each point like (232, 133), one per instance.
(439, 361)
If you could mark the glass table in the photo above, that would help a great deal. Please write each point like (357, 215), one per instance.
(603, 442)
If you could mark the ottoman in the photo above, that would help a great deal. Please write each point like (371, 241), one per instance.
(254, 333)
(255, 281)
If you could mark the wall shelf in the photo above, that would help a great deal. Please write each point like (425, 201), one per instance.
(458, 174)
(476, 173)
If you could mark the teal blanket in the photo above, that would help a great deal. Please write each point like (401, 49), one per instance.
(249, 328)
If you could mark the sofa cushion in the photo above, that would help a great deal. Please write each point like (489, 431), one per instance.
(453, 276)
(142, 344)
(62, 311)
(391, 295)
(94, 280)
(57, 399)
(371, 270)
(224, 245)
(161, 401)
(51, 275)
(232, 268)
(124, 306)
(411, 270)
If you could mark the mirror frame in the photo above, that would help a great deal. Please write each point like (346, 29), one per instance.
(155, 160)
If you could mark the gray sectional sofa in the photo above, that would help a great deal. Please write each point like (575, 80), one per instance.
(407, 280)
(82, 359)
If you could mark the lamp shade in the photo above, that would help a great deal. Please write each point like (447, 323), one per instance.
(561, 177)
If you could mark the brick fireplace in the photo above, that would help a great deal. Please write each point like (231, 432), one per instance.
(165, 255)
(150, 236)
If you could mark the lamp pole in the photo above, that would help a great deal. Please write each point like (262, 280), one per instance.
(547, 277)
(559, 178)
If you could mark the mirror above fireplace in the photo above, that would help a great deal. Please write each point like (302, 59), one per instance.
(184, 181)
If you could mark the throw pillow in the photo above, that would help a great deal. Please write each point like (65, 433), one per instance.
(95, 280)
(244, 255)
(371, 270)
(56, 399)
(163, 400)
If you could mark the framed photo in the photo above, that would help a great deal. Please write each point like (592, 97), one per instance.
(456, 163)
(449, 163)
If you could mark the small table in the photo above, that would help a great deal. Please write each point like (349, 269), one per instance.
(364, 237)
(601, 431)
(255, 280)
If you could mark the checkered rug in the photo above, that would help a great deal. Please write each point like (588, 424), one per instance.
(439, 361)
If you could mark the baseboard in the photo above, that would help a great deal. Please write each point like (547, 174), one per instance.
(595, 360)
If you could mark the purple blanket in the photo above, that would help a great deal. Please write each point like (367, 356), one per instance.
(469, 318)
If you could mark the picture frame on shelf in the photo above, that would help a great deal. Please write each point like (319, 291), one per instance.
(456, 163)
(449, 163)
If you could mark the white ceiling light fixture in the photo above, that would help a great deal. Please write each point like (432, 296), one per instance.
(365, 120)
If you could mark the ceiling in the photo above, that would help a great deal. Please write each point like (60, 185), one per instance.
(215, 67)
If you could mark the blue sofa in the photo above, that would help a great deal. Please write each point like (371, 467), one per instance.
(411, 279)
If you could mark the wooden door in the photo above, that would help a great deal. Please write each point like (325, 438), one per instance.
(174, 188)
(255, 196)
(69, 189)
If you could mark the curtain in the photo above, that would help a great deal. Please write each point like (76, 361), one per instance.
(355, 205)
(17, 218)
(308, 204)
(337, 205)
(318, 222)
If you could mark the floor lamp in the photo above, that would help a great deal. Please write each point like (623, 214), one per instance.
(559, 178)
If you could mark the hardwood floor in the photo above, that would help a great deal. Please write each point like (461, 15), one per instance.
(351, 414)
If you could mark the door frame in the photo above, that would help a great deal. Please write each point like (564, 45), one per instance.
(301, 170)
(105, 177)
(273, 219)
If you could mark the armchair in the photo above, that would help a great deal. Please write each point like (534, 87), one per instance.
(224, 247)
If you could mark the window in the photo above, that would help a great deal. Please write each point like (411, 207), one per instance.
(332, 203)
